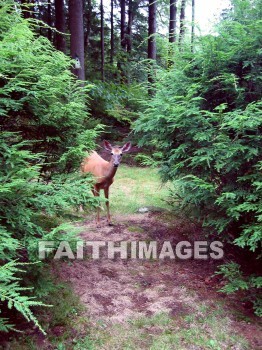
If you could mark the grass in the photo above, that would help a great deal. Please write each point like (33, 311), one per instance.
(134, 188)
(201, 330)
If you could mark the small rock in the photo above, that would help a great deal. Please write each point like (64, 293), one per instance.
(152, 209)
(143, 210)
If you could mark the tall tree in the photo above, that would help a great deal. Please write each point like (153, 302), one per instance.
(129, 26)
(182, 21)
(112, 42)
(60, 41)
(49, 21)
(193, 26)
(151, 52)
(87, 21)
(123, 24)
(152, 30)
(77, 36)
(172, 30)
(133, 7)
(121, 61)
(172, 21)
(102, 41)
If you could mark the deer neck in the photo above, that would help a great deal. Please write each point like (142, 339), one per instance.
(111, 170)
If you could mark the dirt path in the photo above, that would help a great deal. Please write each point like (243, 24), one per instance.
(117, 291)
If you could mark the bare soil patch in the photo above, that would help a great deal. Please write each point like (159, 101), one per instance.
(116, 291)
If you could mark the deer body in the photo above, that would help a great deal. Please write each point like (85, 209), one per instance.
(104, 172)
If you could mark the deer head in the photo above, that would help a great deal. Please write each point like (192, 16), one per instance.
(116, 152)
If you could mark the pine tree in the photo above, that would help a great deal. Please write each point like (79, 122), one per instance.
(172, 21)
(182, 22)
(60, 41)
(76, 27)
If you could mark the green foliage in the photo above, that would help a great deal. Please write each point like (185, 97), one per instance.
(118, 103)
(152, 161)
(45, 133)
(209, 132)
(39, 96)
(10, 292)
(23, 197)
(213, 157)
(85, 343)
(205, 119)
(231, 61)
(236, 281)
(231, 271)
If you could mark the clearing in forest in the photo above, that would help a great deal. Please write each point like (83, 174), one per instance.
(152, 304)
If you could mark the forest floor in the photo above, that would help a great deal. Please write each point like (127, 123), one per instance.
(154, 304)
(132, 304)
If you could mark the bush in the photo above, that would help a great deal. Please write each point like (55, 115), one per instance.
(205, 120)
(40, 98)
(214, 158)
(44, 134)
(117, 103)
(236, 282)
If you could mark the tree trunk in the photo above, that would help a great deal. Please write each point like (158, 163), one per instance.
(77, 36)
(152, 30)
(172, 21)
(193, 26)
(123, 24)
(151, 41)
(49, 21)
(182, 21)
(102, 42)
(60, 41)
(87, 24)
(112, 48)
(129, 26)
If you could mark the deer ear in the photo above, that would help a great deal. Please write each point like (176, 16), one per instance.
(126, 147)
(107, 146)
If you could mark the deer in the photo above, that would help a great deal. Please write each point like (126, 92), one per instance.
(104, 172)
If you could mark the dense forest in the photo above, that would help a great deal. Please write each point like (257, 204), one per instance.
(73, 73)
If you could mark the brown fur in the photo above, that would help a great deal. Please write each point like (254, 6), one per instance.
(100, 168)
(104, 172)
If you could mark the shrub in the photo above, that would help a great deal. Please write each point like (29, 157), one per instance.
(40, 99)
(205, 120)
(44, 134)
(115, 103)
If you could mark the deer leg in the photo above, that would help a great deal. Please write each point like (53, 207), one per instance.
(106, 190)
(96, 192)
